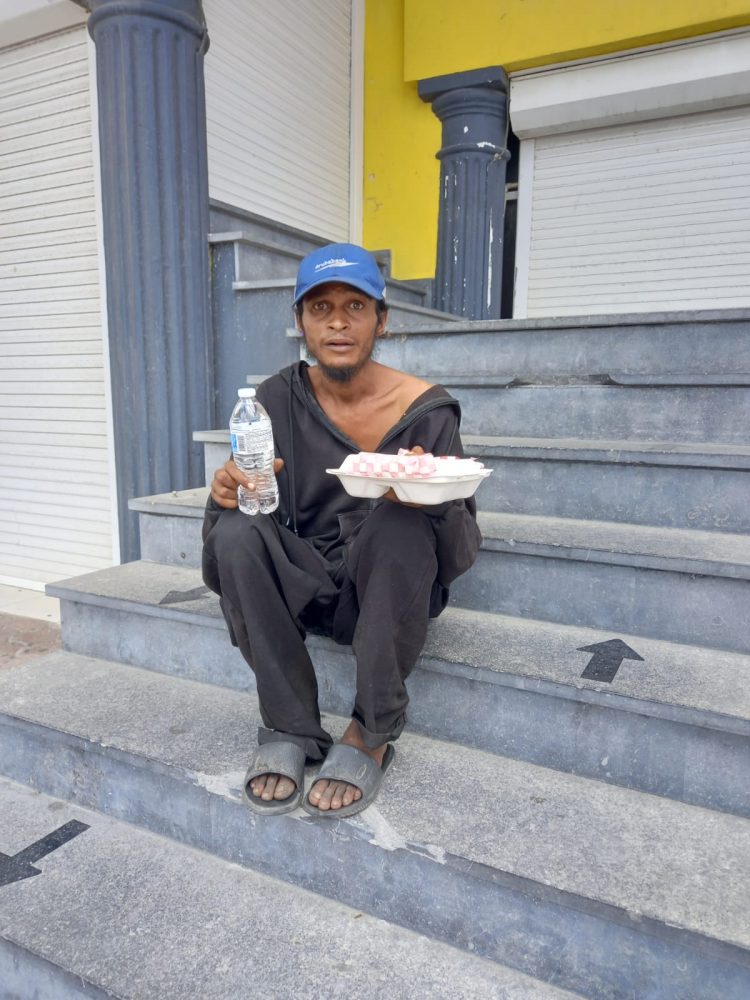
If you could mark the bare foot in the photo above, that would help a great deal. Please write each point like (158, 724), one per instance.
(272, 786)
(325, 795)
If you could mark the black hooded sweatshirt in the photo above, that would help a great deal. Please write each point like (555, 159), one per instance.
(314, 504)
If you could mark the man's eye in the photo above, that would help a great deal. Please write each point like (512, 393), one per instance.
(357, 304)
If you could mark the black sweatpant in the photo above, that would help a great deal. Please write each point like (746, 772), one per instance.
(377, 597)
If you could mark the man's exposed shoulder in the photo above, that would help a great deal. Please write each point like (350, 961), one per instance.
(407, 388)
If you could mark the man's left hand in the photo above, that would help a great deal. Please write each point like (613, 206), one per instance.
(391, 494)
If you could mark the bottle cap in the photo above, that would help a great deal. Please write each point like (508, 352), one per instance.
(246, 393)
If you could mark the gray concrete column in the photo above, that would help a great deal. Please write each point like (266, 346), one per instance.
(472, 107)
(152, 133)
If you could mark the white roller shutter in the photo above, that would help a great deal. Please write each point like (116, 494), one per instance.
(55, 498)
(278, 92)
(647, 216)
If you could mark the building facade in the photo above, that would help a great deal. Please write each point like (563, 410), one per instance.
(624, 185)
(632, 128)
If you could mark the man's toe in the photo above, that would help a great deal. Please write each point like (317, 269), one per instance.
(317, 791)
(269, 788)
(339, 792)
(284, 787)
(351, 794)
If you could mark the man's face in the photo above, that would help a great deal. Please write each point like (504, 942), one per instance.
(340, 325)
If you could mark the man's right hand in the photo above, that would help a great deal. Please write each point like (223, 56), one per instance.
(229, 477)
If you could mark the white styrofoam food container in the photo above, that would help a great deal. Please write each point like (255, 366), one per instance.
(460, 481)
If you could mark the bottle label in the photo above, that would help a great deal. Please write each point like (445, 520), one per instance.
(246, 443)
(239, 442)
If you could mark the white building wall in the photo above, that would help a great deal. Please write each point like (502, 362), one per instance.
(643, 217)
(55, 489)
(633, 189)
(278, 99)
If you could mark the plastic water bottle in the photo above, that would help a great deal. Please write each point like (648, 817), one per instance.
(252, 447)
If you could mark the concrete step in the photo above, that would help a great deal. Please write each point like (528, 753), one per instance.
(668, 345)
(261, 255)
(216, 450)
(675, 723)
(685, 586)
(117, 911)
(668, 583)
(638, 482)
(696, 417)
(603, 890)
(671, 484)
(593, 409)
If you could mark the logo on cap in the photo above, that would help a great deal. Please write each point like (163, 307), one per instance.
(335, 262)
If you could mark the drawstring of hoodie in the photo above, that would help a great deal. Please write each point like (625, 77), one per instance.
(290, 471)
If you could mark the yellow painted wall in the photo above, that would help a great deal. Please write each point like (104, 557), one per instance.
(401, 137)
(447, 36)
(410, 40)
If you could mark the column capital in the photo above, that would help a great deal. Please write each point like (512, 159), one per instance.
(185, 14)
(489, 78)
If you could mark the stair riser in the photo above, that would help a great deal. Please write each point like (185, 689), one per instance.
(691, 763)
(24, 974)
(175, 541)
(214, 456)
(701, 499)
(608, 955)
(687, 414)
(694, 348)
(254, 263)
(679, 606)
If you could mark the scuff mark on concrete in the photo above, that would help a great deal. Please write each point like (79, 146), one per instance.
(228, 785)
(383, 834)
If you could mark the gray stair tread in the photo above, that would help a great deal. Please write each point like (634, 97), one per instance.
(532, 379)
(684, 550)
(601, 845)
(264, 241)
(690, 683)
(141, 916)
(681, 318)
(594, 450)
(702, 454)
(182, 503)
(710, 553)
(219, 436)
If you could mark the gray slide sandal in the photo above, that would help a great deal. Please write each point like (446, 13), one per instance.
(347, 763)
(279, 757)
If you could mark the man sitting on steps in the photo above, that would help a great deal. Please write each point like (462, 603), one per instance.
(368, 573)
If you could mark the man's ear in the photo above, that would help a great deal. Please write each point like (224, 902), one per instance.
(382, 323)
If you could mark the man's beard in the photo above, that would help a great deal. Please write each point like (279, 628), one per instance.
(343, 374)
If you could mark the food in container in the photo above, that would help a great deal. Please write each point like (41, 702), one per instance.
(424, 479)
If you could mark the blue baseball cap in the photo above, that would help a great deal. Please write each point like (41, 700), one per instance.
(342, 262)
